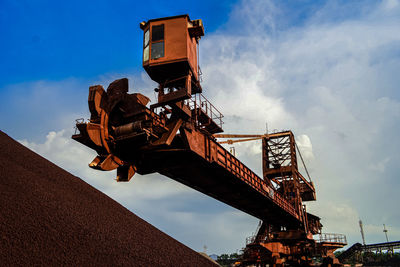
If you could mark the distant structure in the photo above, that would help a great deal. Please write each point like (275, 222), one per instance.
(362, 232)
(361, 252)
(385, 231)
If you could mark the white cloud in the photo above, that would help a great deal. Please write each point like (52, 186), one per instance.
(74, 157)
(390, 4)
(304, 144)
(337, 217)
(331, 81)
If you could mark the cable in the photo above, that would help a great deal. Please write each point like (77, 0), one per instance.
(308, 175)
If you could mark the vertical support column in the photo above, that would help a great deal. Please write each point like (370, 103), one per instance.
(188, 84)
(293, 159)
(305, 219)
(296, 179)
(265, 158)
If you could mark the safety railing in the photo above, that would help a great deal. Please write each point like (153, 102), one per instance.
(382, 246)
(331, 238)
(199, 102)
(250, 239)
(236, 167)
(283, 203)
(78, 121)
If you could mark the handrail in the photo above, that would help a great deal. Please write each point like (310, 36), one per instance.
(198, 101)
(240, 170)
(332, 238)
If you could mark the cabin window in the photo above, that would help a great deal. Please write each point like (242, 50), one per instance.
(146, 45)
(157, 50)
(157, 33)
(146, 38)
(146, 53)
(157, 41)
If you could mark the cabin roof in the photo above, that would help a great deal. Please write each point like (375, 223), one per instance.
(145, 23)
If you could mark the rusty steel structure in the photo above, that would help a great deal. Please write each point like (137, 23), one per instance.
(274, 243)
(180, 137)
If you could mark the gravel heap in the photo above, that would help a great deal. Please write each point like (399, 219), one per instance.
(49, 217)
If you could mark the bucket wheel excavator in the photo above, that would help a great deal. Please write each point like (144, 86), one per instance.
(180, 137)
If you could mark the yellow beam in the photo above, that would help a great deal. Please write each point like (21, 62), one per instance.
(237, 135)
(252, 135)
(240, 140)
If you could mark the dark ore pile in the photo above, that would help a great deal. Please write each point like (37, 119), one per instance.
(48, 217)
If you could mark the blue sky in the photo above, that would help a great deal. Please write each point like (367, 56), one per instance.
(328, 70)
(55, 40)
